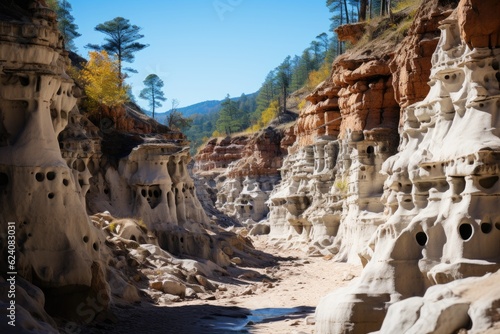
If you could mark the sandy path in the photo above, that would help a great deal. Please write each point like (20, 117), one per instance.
(298, 282)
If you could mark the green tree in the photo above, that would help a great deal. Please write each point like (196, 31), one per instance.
(66, 22)
(267, 92)
(305, 64)
(121, 41)
(229, 117)
(317, 52)
(283, 76)
(153, 92)
(324, 42)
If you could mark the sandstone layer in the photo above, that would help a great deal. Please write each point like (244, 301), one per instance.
(243, 170)
(439, 198)
(329, 197)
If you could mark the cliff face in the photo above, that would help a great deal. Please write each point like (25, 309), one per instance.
(56, 167)
(411, 63)
(440, 223)
(329, 197)
(244, 170)
(56, 251)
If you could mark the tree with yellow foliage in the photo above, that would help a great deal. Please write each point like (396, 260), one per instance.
(267, 116)
(102, 80)
(316, 77)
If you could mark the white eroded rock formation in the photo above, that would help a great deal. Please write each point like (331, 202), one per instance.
(56, 167)
(57, 246)
(329, 196)
(441, 200)
(244, 171)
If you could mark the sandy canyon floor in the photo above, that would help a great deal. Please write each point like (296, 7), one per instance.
(277, 299)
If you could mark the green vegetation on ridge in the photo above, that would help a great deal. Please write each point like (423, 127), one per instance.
(106, 86)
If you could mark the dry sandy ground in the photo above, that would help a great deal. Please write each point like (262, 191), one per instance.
(292, 288)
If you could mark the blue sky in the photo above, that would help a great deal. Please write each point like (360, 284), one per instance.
(205, 49)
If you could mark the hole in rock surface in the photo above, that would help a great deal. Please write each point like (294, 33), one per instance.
(497, 226)
(85, 239)
(465, 231)
(40, 177)
(66, 182)
(25, 81)
(51, 176)
(51, 195)
(421, 238)
(95, 246)
(486, 228)
(4, 179)
(488, 182)
(370, 150)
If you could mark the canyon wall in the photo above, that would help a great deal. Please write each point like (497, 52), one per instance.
(243, 170)
(328, 200)
(57, 168)
(440, 192)
(57, 245)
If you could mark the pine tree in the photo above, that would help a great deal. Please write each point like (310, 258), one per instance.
(121, 41)
(283, 76)
(65, 23)
(229, 117)
(267, 93)
(152, 92)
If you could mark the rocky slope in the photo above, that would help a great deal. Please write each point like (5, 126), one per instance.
(56, 167)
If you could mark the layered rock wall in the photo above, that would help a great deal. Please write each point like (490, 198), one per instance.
(329, 197)
(440, 196)
(244, 170)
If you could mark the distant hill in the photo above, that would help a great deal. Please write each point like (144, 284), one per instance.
(201, 108)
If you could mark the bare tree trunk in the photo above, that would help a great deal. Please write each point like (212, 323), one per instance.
(346, 12)
(389, 11)
(284, 101)
(339, 43)
(362, 10)
(153, 97)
